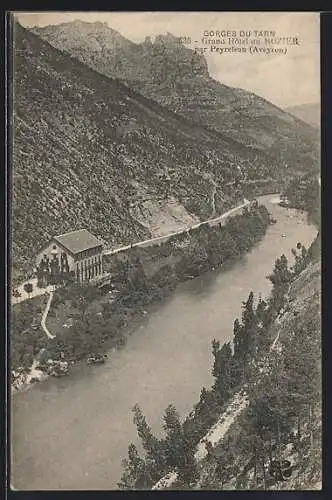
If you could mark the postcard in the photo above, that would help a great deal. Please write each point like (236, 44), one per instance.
(165, 325)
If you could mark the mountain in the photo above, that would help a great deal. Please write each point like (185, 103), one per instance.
(176, 77)
(91, 153)
(309, 113)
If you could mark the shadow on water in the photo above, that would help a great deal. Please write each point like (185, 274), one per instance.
(202, 285)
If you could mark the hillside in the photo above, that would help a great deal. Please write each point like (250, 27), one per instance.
(309, 113)
(259, 426)
(176, 77)
(89, 152)
(294, 368)
(304, 193)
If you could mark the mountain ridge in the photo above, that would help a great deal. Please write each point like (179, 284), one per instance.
(178, 78)
(89, 152)
(308, 112)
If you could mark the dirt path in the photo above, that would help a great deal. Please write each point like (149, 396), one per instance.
(44, 317)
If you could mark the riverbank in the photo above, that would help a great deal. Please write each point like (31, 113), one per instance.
(99, 320)
(304, 193)
(276, 443)
(167, 359)
(252, 421)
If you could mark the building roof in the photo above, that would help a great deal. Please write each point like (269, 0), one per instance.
(78, 241)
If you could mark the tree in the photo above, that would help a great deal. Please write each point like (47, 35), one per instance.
(302, 370)
(286, 395)
(136, 276)
(239, 350)
(16, 294)
(237, 339)
(82, 296)
(222, 369)
(68, 277)
(214, 248)
(187, 472)
(144, 430)
(135, 475)
(261, 311)
(269, 407)
(205, 414)
(222, 468)
(263, 318)
(249, 322)
(107, 310)
(174, 436)
(28, 288)
(179, 452)
(301, 257)
(153, 447)
(245, 335)
(280, 279)
(281, 275)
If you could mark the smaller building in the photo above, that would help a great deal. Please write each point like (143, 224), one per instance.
(74, 255)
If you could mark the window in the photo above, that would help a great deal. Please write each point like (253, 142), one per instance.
(54, 247)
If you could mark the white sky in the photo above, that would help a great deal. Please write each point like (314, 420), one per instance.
(285, 80)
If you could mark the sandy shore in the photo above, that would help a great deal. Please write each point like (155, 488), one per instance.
(27, 380)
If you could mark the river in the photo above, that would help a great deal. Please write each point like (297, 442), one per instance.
(72, 433)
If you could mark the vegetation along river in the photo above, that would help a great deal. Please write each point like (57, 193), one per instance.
(72, 433)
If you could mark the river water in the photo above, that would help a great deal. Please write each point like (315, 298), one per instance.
(72, 433)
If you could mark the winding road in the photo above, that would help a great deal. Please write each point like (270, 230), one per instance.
(160, 239)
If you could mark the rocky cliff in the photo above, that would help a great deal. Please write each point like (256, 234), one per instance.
(90, 152)
(177, 77)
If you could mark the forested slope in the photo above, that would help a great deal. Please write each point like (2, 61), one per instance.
(91, 153)
(259, 426)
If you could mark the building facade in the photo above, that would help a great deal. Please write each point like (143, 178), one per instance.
(75, 255)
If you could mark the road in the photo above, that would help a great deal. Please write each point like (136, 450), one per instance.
(158, 239)
(45, 313)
